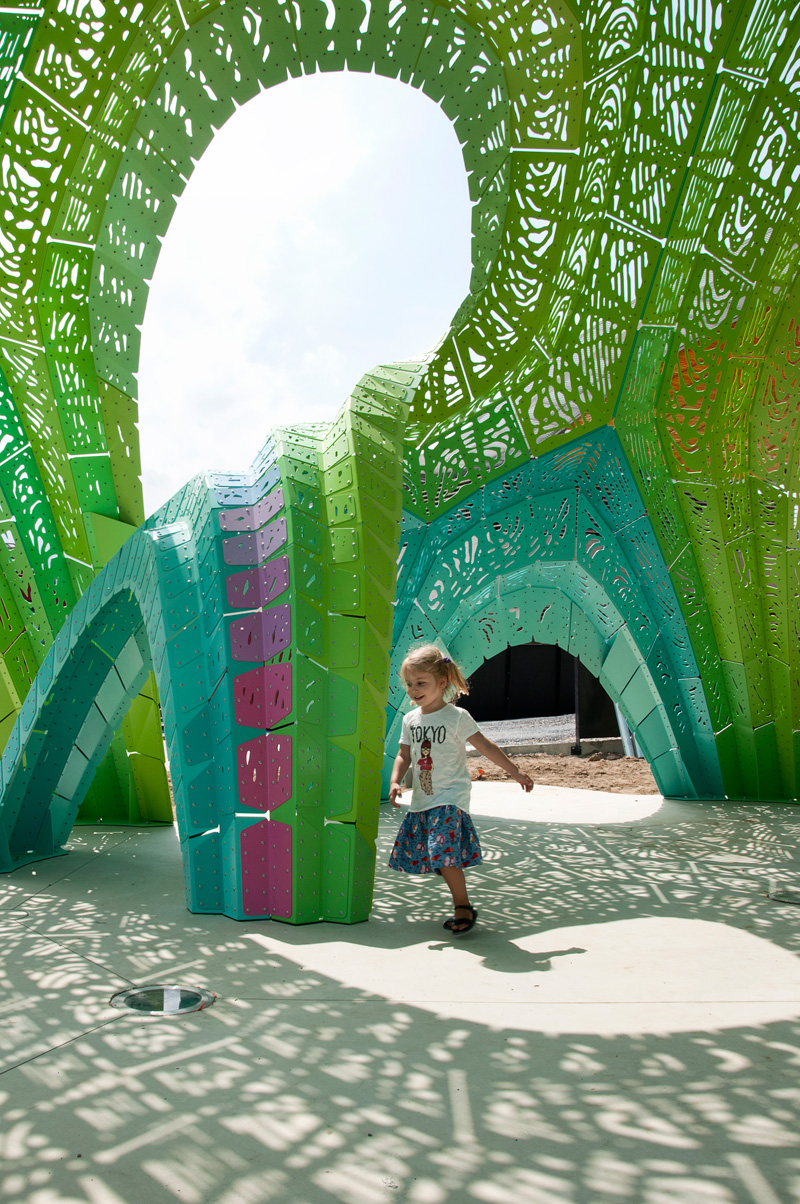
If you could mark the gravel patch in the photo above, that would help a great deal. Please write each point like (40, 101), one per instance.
(548, 729)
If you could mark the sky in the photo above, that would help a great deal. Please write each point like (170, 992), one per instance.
(325, 230)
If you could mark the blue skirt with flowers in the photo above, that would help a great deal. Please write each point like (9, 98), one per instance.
(427, 840)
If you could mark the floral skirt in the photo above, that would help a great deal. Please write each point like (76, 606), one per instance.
(427, 840)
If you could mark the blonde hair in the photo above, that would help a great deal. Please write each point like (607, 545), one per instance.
(428, 659)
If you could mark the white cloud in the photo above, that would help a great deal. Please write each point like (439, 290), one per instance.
(325, 230)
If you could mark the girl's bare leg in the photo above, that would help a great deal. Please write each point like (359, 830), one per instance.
(454, 877)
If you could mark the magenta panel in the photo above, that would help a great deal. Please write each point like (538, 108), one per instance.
(262, 697)
(266, 850)
(258, 587)
(261, 635)
(250, 518)
(280, 877)
(254, 547)
(265, 771)
(253, 846)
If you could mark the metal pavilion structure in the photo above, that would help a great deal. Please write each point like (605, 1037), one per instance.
(601, 452)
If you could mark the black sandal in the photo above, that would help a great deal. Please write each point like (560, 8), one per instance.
(455, 920)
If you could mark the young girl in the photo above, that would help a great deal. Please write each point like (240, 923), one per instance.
(437, 835)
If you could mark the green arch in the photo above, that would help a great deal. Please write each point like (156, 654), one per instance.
(556, 616)
(562, 551)
(225, 60)
(636, 265)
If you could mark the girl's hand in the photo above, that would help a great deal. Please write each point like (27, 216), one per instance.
(395, 790)
(525, 782)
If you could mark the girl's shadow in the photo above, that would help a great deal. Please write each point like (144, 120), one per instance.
(507, 958)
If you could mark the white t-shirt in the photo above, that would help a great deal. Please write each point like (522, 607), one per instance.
(438, 756)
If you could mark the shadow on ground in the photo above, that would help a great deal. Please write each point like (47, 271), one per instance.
(334, 1067)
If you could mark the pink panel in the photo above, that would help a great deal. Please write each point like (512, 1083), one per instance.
(253, 846)
(265, 771)
(257, 587)
(250, 518)
(266, 851)
(253, 547)
(262, 697)
(280, 883)
(261, 635)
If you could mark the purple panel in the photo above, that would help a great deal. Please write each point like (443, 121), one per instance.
(253, 847)
(262, 697)
(254, 547)
(261, 635)
(265, 771)
(257, 587)
(266, 851)
(280, 876)
(250, 518)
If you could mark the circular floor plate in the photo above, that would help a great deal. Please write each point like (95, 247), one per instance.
(160, 999)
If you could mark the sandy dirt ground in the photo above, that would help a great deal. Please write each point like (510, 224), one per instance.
(622, 775)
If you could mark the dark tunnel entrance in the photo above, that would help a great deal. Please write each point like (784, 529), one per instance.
(530, 681)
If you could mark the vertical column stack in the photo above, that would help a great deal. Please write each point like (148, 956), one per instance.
(306, 563)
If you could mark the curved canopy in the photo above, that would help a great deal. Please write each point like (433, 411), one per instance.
(634, 171)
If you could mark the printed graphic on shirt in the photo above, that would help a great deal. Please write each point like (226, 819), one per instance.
(425, 764)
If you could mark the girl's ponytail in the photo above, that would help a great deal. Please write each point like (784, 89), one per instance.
(428, 659)
(456, 680)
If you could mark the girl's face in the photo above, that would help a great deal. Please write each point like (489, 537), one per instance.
(425, 690)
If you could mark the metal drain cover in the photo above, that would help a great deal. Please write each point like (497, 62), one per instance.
(160, 999)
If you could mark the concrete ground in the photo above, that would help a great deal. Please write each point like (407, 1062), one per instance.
(623, 1024)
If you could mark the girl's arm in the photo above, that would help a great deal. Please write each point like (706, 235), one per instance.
(399, 770)
(488, 749)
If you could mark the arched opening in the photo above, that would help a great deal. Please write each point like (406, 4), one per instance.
(98, 665)
(325, 229)
(542, 694)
